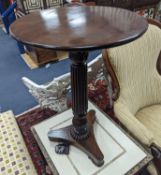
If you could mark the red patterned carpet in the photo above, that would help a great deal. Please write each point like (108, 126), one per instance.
(25, 122)
(97, 92)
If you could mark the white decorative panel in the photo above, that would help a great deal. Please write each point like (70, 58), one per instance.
(121, 154)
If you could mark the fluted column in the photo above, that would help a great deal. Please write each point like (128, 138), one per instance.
(79, 94)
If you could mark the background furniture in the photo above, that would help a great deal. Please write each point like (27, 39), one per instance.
(136, 88)
(129, 4)
(42, 56)
(4, 4)
(8, 16)
(14, 158)
(29, 6)
(53, 95)
(134, 5)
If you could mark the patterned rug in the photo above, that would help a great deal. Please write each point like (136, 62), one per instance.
(25, 121)
(97, 92)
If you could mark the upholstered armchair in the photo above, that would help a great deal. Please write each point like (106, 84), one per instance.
(137, 89)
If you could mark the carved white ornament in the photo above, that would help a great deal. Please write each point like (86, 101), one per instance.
(54, 94)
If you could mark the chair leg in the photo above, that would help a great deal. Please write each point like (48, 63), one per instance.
(144, 171)
(157, 163)
(156, 152)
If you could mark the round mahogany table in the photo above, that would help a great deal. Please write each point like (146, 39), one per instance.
(79, 29)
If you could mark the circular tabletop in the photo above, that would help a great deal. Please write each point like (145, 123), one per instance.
(79, 28)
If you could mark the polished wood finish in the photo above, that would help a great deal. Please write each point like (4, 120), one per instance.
(79, 94)
(79, 29)
(80, 133)
(89, 145)
(110, 71)
(159, 64)
(154, 22)
(39, 55)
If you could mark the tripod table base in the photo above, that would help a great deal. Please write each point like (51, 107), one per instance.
(88, 145)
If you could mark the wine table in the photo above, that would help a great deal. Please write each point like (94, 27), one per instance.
(78, 30)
